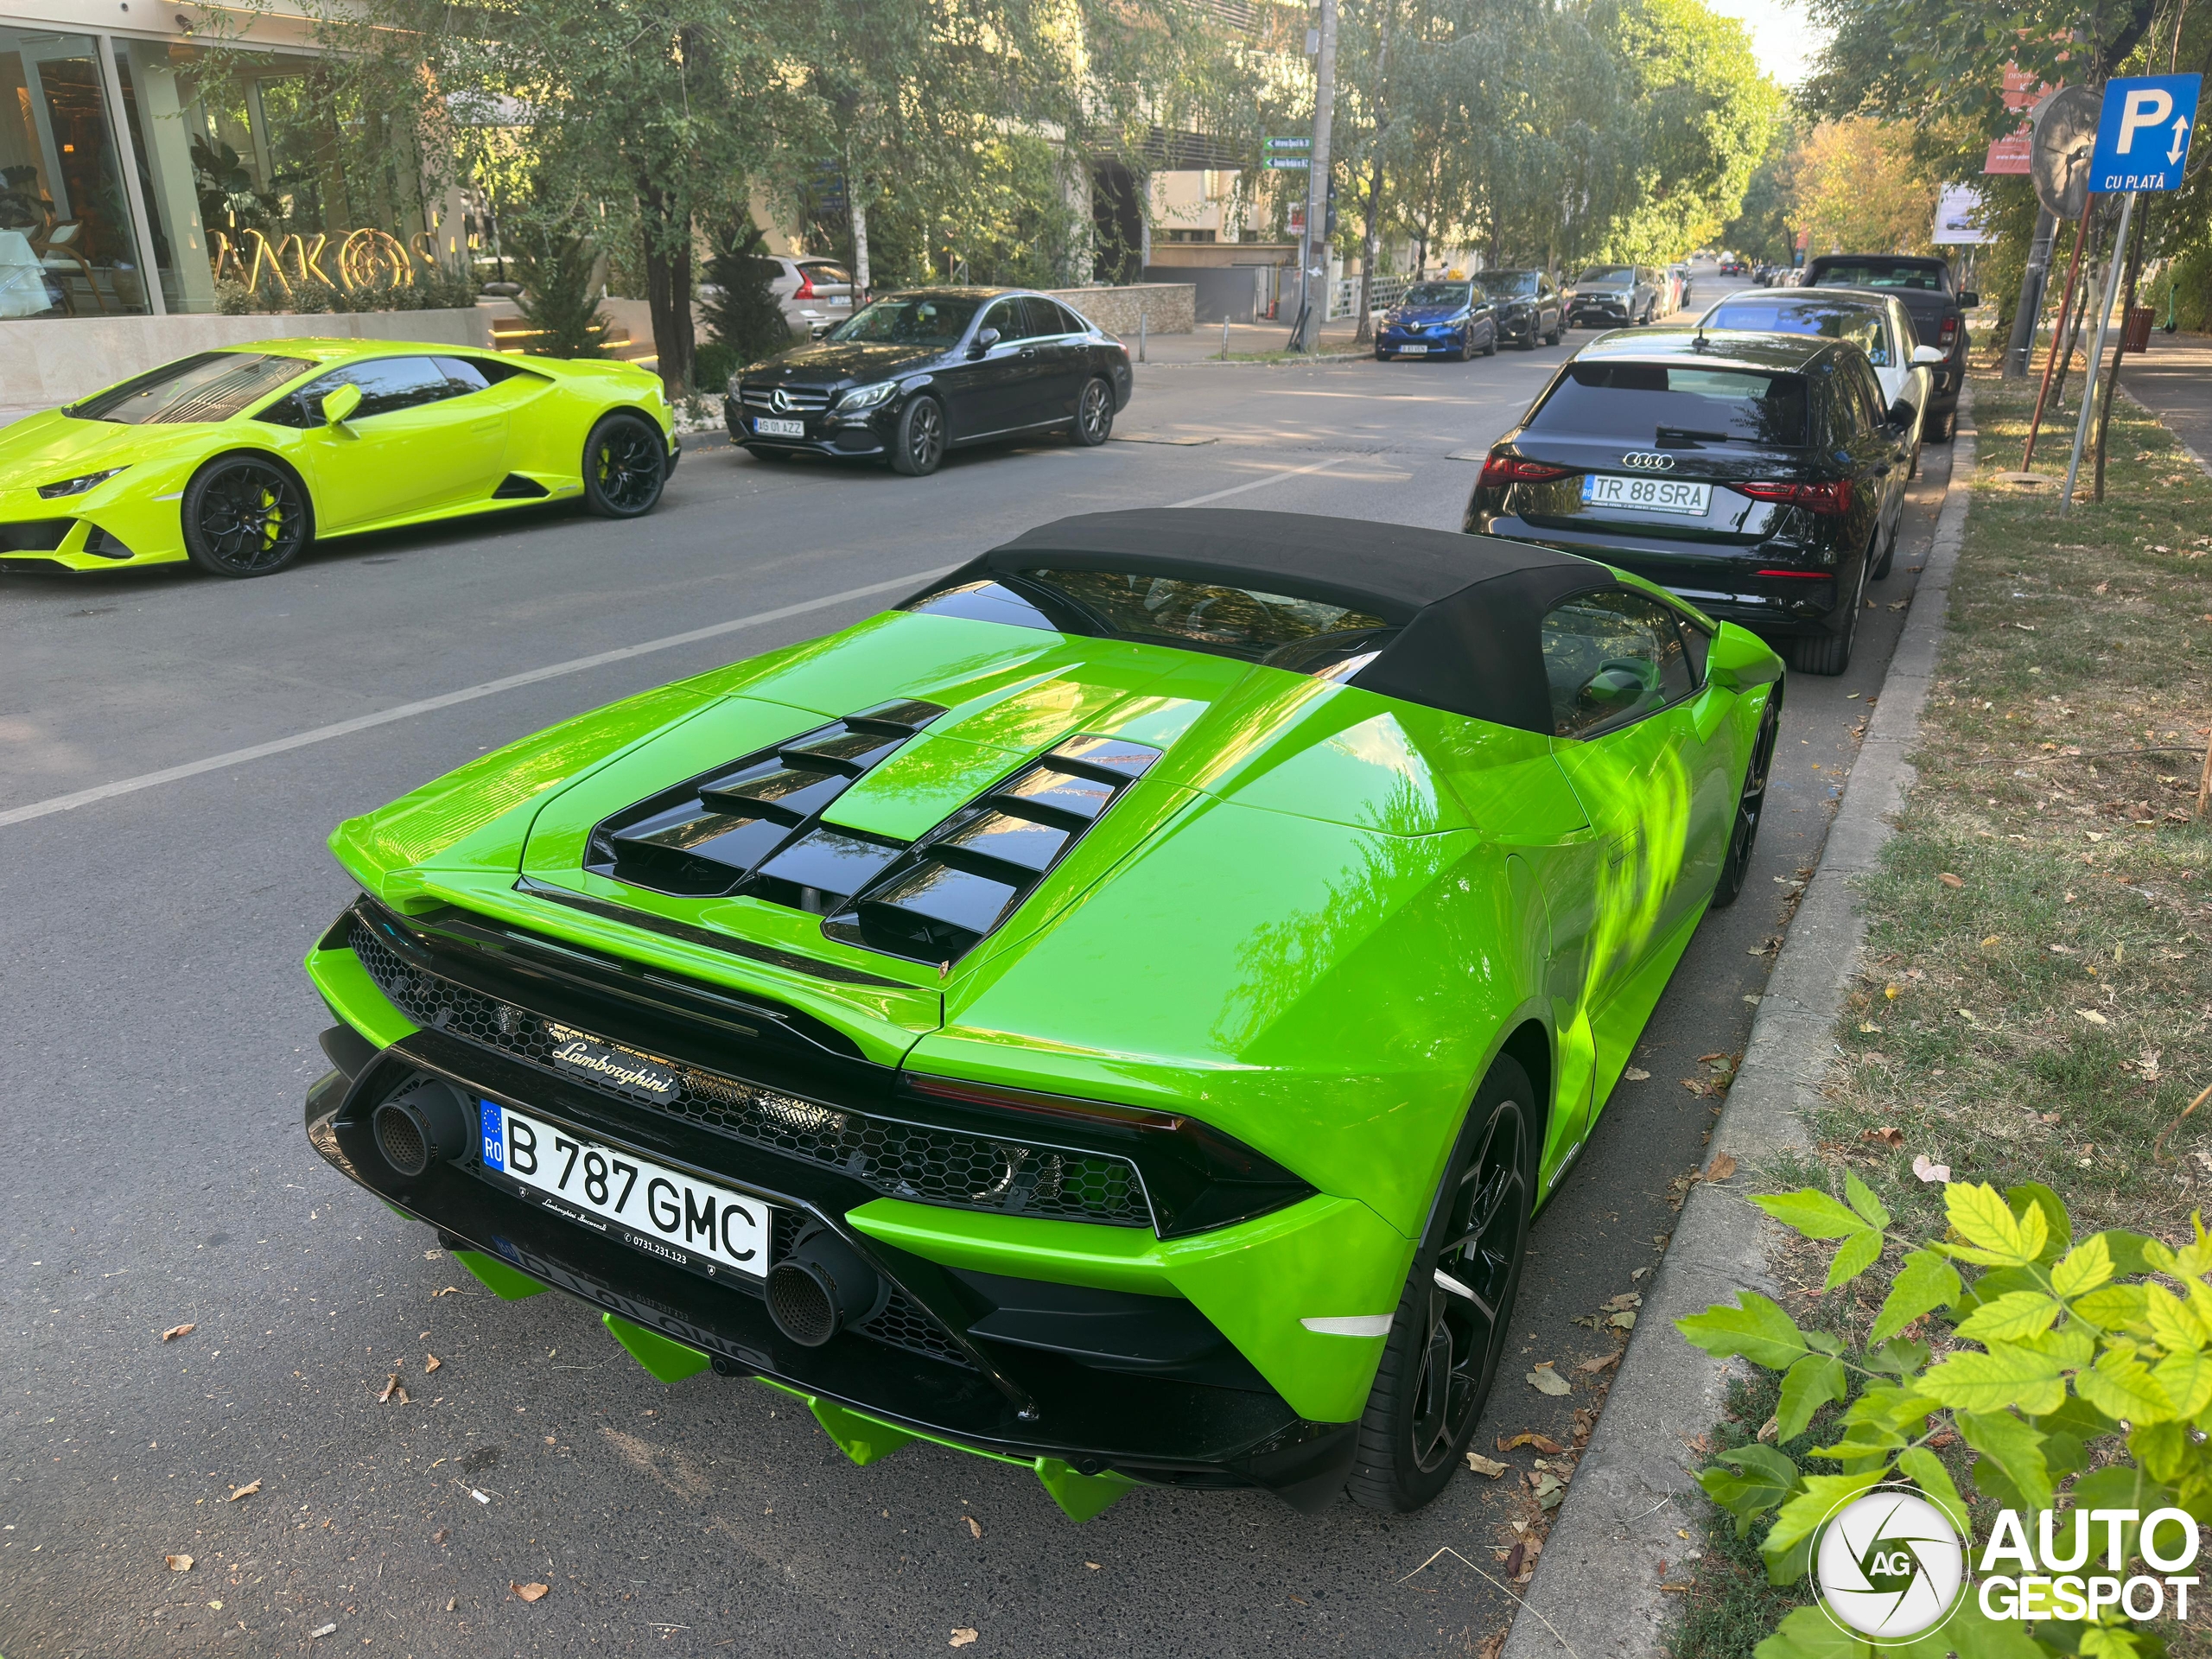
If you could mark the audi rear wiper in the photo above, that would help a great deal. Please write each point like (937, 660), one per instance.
(1675, 437)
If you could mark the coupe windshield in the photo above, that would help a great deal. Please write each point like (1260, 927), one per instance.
(1859, 324)
(1882, 273)
(211, 387)
(1240, 621)
(1648, 402)
(909, 320)
(1606, 277)
(1428, 295)
(1507, 284)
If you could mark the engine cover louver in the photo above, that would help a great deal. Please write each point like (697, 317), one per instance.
(938, 899)
(754, 824)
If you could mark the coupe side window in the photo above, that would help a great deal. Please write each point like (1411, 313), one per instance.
(1611, 657)
(387, 384)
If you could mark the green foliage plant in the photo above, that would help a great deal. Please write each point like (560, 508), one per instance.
(2088, 1358)
(558, 300)
(744, 318)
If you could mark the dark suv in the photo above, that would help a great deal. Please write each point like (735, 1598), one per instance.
(1757, 475)
(1938, 311)
(1529, 307)
(1613, 296)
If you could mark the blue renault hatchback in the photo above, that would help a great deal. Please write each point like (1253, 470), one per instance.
(1448, 319)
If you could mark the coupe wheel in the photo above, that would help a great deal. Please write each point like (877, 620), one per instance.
(918, 445)
(625, 464)
(245, 515)
(1451, 1321)
(1749, 805)
(1093, 414)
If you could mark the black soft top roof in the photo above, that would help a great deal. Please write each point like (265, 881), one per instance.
(1467, 607)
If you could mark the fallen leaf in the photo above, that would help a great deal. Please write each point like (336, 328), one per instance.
(1991, 940)
(390, 1387)
(431, 1364)
(176, 1331)
(1888, 1135)
(1770, 1430)
(440, 1535)
(217, 1605)
(1720, 1168)
(529, 1592)
(400, 1396)
(246, 1491)
(2092, 1016)
(1530, 1437)
(1890, 992)
(1590, 1367)
(450, 1290)
(960, 1638)
(179, 1563)
(1545, 1380)
(1625, 1321)
(1950, 880)
(1929, 1172)
(1636, 1074)
(1868, 1024)
(1513, 1561)
(975, 1527)
(1482, 1465)
(1093, 1565)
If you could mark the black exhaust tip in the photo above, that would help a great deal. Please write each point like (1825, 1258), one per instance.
(423, 1123)
(822, 1287)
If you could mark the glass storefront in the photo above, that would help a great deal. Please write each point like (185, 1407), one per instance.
(69, 242)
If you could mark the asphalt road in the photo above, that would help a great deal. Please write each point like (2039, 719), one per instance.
(159, 1036)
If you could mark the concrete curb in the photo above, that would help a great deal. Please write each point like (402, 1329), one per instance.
(1634, 1495)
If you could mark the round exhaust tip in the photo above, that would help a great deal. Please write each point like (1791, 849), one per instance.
(822, 1287)
(425, 1121)
(402, 1138)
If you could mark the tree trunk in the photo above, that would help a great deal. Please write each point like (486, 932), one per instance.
(1371, 251)
(861, 275)
(667, 238)
(2134, 252)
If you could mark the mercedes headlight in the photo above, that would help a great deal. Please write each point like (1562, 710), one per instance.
(76, 485)
(868, 397)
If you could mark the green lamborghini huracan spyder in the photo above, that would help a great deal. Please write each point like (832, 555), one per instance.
(240, 459)
(1117, 1011)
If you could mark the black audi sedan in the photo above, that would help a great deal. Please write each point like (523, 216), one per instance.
(1758, 476)
(914, 374)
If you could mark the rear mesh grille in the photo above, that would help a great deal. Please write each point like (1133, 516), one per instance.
(901, 1161)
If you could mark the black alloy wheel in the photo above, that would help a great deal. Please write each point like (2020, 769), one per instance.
(918, 445)
(1452, 1320)
(1093, 414)
(245, 515)
(1744, 831)
(626, 465)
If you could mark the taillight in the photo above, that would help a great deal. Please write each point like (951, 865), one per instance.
(806, 288)
(1501, 470)
(1829, 500)
(1951, 333)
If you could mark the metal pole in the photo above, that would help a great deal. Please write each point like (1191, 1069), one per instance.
(2090, 388)
(2057, 337)
(1317, 180)
(2019, 352)
(1140, 324)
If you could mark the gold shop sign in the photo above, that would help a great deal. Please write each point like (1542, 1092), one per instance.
(365, 259)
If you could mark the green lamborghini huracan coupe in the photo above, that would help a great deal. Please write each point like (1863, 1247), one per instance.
(240, 459)
(1117, 1011)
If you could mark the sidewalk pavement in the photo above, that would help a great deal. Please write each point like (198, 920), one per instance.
(1244, 338)
(2174, 381)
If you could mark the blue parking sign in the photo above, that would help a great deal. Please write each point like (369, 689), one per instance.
(2143, 134)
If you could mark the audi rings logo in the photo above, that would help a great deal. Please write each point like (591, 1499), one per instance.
(1889, 1564)
(1646, 461)
(780, 401)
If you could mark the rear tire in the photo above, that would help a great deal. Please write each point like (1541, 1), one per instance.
(626, 466)
(1094, 415)
(1490, 343)
(918, 445)
(1443, 1352)
(1947, 425)
(1881, 570)
(246, 515)
(1744, 831)
(1829, 654)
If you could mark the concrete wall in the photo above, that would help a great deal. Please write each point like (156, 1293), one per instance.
(1166, 308)
(46, 361)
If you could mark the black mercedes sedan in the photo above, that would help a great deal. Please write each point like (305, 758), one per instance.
(1758, 476)
(915, 374)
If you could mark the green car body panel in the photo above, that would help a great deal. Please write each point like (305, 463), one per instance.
(1313, 925)
(409, 467)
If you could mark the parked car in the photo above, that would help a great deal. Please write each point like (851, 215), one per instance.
(1877, 323)
(1758, 476)
(815, 293)
(1439, 319)
(238, 458)
(1529, 306)
(1613, 296)
(1680, 275)
(914, 374)
(1938, 309)
(1128, 1042)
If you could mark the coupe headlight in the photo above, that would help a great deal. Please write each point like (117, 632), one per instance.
(868, 397)
(76, 485)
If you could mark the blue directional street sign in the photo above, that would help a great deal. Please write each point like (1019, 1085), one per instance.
(2143, 134)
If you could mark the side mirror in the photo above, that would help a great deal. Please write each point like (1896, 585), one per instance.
(1968, 299)
(984, 342)
(1739, 660)
(1902, 414)
(338, 404)
(1926, 356)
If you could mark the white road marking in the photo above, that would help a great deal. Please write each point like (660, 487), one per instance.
(532, 677)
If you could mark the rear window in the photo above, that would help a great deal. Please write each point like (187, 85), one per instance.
(1648, 403)
(1859, 324)
(210, 386)
(1881, 273)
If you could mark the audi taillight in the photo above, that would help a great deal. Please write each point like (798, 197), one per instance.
(806, 288)
(1830, 500)
(1501, 470)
